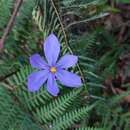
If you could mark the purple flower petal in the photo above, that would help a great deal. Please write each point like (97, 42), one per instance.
(52, 87)
(36, 79)
(51, 49)
(68, 78)
(67, 61)
(37, 62)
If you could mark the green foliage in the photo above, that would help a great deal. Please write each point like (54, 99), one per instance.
(57, 107)
(90, 107)
(124, 1)
(12, 115)
(19, 39)
(4, 15)
(88, 128)
(69, 118)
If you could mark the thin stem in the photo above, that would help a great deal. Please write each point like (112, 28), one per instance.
(62, 27)
(87, 20)
(10, 23)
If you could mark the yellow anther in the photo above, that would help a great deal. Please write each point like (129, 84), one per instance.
(53, 69)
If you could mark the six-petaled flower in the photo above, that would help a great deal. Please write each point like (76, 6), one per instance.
(52, 70)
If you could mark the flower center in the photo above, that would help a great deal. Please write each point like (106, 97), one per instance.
(53, 69)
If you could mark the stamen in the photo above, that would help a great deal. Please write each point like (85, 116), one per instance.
(53, 69)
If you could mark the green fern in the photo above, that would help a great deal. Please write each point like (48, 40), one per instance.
(70, 118)
(98, 54)
(90, 128)
(11, 114)
(5, 15)
(57, 107)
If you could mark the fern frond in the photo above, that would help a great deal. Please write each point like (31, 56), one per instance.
(18, 82)
(57, 107)
(12, 115)
(90, 128)
(5, 15)
(68, 119)
(53, 23)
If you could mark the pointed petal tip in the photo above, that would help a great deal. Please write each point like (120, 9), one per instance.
(67, 61)
(51, 49)
(37, 61)
(36, 79)
(69, 79)
(80, 83)
(52, 34)
(32, 90)
(52, 86)
(29, 86)
(55, 95)
(53, 92)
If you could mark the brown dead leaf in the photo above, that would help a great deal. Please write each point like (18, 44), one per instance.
(126, 98)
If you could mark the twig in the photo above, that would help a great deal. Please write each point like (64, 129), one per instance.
(10, 23)
(70, 50)
(87, 20)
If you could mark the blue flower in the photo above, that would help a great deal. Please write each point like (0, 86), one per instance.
(52, 70)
